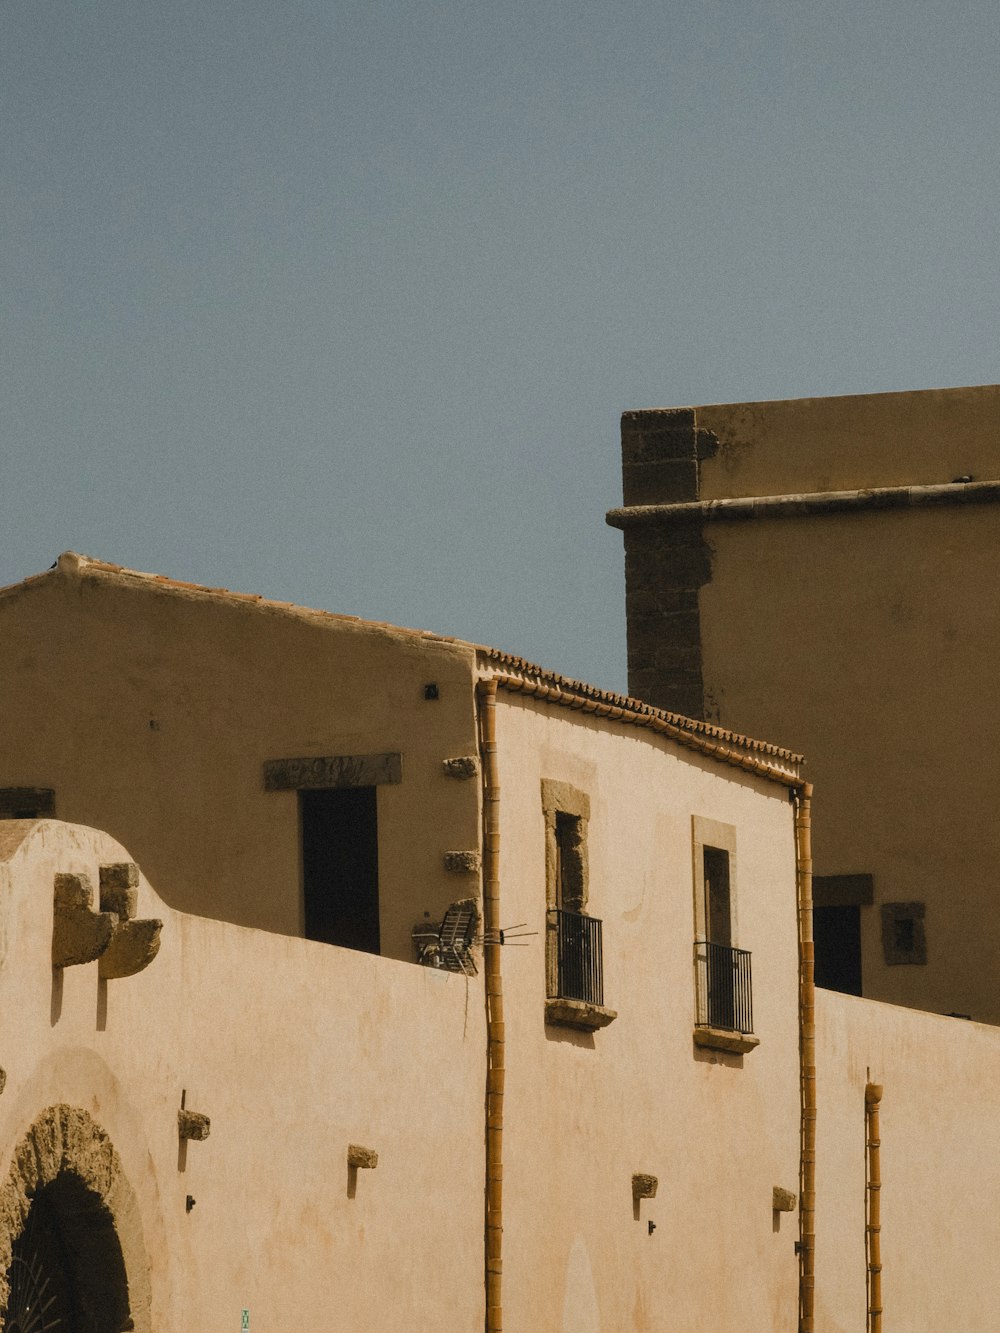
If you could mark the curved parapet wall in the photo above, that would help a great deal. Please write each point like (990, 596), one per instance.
(294, 1051)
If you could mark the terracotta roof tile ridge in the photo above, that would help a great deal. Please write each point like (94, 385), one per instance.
(629, 704)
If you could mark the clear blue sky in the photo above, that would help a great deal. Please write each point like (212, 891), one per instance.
(340, 302)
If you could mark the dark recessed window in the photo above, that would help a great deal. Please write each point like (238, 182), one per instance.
(837, 936)
(718, 905)
(27, 803)
(340, 866)
(570, 888)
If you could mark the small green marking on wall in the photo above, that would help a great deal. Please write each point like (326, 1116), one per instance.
(245, 1321)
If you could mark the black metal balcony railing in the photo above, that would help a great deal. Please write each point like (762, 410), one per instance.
(579, 962)
(725, 993)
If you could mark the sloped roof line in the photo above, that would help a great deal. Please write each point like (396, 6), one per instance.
(75, 565)
(71, 563)
(606, 699)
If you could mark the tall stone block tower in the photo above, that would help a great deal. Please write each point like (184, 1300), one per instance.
(823, 573)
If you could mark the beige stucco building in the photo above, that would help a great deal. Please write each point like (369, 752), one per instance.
(823, 572)
(357, 978)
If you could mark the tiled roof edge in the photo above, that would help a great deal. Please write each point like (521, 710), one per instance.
(581, 690)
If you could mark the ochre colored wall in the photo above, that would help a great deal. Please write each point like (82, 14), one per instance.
(294, 1050)
(863, 641)
(829, 444)
(151, 711)
(585, 1111)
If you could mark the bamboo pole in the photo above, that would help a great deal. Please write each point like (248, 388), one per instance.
(807, 1060)
(487, 691)
(873, 1224)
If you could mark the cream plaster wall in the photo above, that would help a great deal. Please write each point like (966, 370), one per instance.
(294, 1049)
(151, 708)
(829, 444)
(583, 1112)
(939, 1166)
(864, 642)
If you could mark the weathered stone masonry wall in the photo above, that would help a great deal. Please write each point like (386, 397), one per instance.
(665, 567)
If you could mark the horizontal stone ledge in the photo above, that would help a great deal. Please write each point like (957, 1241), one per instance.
(724, 1039)
(332, 770)
(578, 1014)
(807, 505)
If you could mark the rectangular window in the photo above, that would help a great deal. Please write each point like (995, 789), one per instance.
(724, 999)
(718, 906)
(837, 940)
(27, 803)
(837, 904)
(574, 944)
(570, 888)
(340, 866)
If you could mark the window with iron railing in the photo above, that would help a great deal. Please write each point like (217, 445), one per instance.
(579, 970)
(724, 988)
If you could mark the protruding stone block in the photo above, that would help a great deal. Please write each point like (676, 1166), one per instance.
(364, 1159)
(463, 767)
(644, 1186)
(193, 1125)
(783, 1201)
(461, 863)
(134, 945)
(79, 934)
(120, 889)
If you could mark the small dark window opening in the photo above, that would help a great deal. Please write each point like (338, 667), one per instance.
(837, 937)
(340, 866)
(718, 909)
(904, 936)
(571, 894)
(27, 803)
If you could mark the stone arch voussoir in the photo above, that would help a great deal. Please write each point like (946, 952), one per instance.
(67, 1139)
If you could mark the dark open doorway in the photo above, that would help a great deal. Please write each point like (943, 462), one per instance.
(340, 866)
(67, 1274)
(837, 937)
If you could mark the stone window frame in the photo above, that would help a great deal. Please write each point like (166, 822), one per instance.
(562, 798)
(706, 832)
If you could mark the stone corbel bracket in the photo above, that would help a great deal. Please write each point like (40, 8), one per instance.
(359, 1158)
(644, 1186)
(134, 944)
(782, 1200)
(462, 863)
(80, 934)
(193, 1125)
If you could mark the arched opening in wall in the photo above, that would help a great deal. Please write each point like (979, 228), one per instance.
(72, 1254)
(67, 1272)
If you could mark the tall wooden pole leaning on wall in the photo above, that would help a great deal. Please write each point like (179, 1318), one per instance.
(873, 1196)
(495, 1036)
